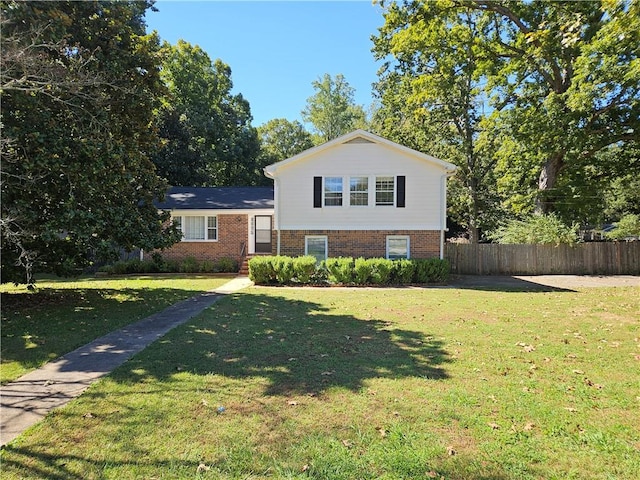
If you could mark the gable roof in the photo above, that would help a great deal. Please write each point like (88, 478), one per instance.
(218, 198)
(359, 136)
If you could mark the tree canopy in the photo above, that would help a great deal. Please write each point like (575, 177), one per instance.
(332, 109)
(79, 84)
(206, 130)
(557, 85)
(281, 139)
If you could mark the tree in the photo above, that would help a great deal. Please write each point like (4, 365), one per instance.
(562, 79)
(207, 134)
(332, 110)
(430, 84)
(79, 84)
(281, 139)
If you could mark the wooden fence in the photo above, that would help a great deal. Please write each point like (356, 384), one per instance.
(597, 258)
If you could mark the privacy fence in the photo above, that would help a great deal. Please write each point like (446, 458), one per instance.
(597, 258)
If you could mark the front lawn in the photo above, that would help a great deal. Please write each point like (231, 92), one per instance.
(62, 314)
(364, 384)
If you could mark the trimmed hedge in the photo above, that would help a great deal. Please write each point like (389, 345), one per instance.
(159, 265)
(283, 270)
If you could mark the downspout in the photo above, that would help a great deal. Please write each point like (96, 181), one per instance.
(443, 212)
(276, 212)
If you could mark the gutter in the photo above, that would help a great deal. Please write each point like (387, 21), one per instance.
(443, 212)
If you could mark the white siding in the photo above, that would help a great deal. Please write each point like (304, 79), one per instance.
(424, 187)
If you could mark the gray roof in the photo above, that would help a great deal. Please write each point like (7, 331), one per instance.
(217, 198)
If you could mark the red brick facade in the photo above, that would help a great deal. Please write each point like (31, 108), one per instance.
(361, 243)
(232, 234)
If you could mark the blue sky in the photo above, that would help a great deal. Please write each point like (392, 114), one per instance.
(276, 49)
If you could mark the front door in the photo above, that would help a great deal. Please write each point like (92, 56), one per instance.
(263, 234)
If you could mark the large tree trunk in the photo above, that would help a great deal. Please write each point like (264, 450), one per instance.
(545, 202)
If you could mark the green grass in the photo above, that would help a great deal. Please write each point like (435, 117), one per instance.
(62, 315)
(365, 384)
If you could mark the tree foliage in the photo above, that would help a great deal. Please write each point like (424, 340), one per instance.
(561, 81)
(627, 227)
(430, 92)
(332, 109)
(207, 134)
(536, 229)
(281, 139)
(79, 84)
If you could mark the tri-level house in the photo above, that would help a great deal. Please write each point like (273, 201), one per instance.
(360, 195)
(357, 195)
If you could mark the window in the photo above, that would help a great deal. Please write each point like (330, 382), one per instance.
(359, 191)
(193, 227)
(212, 228)
(397, 247)
(385, 190)
(316, 246)
(333, 191)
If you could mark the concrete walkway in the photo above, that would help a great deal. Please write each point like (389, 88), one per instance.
(27, 400)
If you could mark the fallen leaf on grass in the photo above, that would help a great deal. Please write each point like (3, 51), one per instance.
(528, 427)
(347, 443)
(571, 409)
(578, 372)
(202, 468)
(382, 432)
(591, 384)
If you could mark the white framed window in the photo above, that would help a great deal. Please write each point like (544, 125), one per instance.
(197, 227)
(359, 191)
(385, 190)
(317, 246)
(398, 247)
(333, 191)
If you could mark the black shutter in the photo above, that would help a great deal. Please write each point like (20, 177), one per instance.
(317, 192)
(400, 192)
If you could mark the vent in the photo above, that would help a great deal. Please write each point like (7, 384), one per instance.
(358, 140)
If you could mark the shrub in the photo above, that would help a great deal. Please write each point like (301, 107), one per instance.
(321, 275)
(382, 271)
(363, 270)
(226, 265)
(536, 229)
(189, 265)
(627, 227)
(431, 270)
(341, 269)
(402, 273)
(283, 268)
(261, 270)
(304, 268)
(207, 266)
(170, 266)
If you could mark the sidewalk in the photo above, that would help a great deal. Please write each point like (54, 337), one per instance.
(27, 400)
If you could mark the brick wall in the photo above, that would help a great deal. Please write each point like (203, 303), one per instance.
(232, 232)
(361, 243)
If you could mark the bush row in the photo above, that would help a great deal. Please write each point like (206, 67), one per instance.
(157, 264)
(283, 270)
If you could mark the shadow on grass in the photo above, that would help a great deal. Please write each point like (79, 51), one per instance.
(38, 327)
(57, 467)
(501, 283)
(300, 347)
